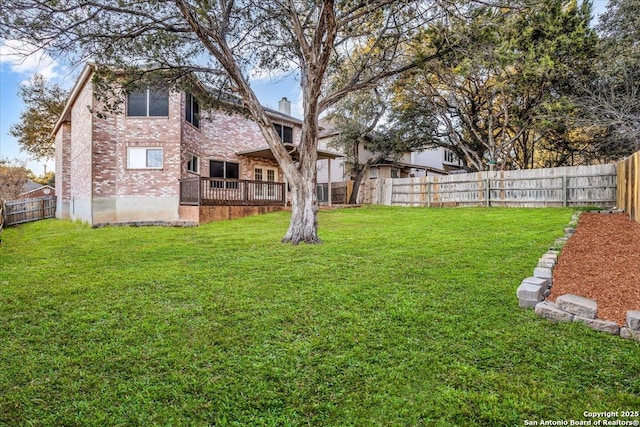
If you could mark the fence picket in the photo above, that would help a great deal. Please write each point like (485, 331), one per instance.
(629, 186)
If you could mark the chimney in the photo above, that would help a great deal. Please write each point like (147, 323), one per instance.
(284, 106)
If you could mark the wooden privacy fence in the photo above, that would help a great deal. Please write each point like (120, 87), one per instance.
(629, 186)
(566, 186)
(19, 211)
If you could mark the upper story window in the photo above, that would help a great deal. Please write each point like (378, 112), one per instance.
(285, 132)
(144, 158)
(192, 110)
(450, 157)
(193, 164)
(148, 103)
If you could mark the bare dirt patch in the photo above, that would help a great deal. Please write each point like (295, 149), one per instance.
(601, 261)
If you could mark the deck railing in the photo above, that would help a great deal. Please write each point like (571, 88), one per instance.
(231, 192)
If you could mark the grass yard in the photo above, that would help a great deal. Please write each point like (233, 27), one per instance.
(403, 317)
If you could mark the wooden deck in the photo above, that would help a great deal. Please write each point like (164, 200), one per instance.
(205, 191)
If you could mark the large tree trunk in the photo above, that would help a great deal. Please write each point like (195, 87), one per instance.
(304, 198)
(303, 225)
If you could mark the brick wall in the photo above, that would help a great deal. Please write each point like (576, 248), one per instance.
(104, 154)
(151, 132)
(80, 155)
(63, 162)
(221, 136)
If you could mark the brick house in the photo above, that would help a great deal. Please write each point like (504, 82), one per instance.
(34, 190)
(161, 160)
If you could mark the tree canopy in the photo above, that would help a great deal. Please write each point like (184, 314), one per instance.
(609, 98)
(13, 177)
(487, 99)
(44, 103)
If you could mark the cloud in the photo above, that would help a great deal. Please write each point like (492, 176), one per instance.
(24, 58)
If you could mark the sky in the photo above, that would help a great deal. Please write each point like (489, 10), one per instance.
(15, 70)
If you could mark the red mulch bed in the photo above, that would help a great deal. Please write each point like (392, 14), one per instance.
(601, 261)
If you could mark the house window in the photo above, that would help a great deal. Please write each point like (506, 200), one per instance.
(224, 170)
(285, 132)
(373, 173)
(193, 164)
(148, 103)
(144, 158)
(192, 110)
(450, 157)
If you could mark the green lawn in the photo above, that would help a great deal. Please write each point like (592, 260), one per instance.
(403, 317)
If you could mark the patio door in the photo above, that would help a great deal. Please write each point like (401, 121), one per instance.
(263, 176)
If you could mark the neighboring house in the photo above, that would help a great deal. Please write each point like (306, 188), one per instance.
(33, 190)
(439, 158)
(430, 162)
(161, 160)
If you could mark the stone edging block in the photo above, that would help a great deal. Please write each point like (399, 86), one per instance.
(551, 256)
(599, 325)
(531, 291)
(633, 320)
(629, 334)
(580, 306)
(543, 273)
(551, 311)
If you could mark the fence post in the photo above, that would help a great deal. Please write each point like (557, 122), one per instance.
(2, 213)
(429, 193)
(565, 197)
(488, 190)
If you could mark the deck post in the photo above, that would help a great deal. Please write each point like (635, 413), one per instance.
(245, 191)
(329, 180)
